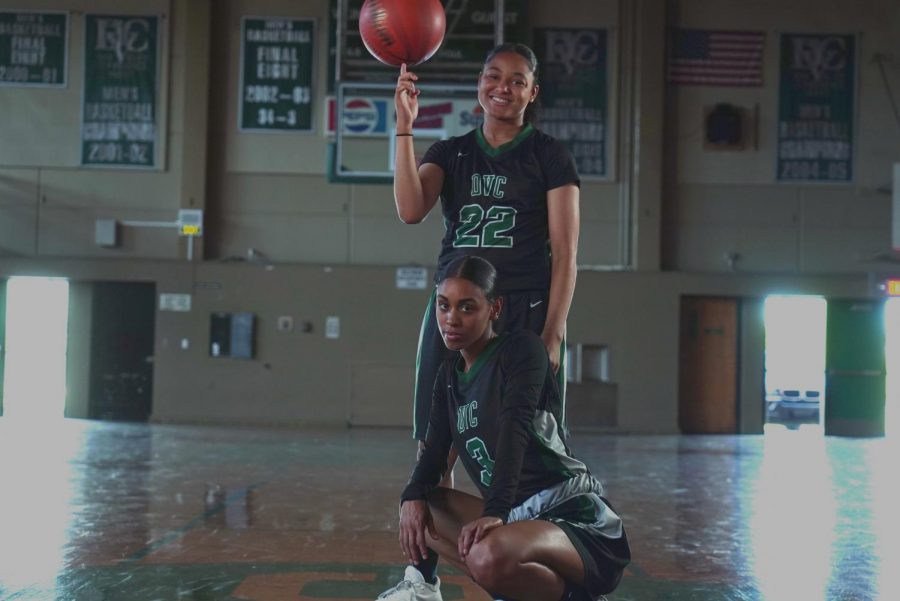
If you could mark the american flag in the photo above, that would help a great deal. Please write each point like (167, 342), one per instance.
(716, 58)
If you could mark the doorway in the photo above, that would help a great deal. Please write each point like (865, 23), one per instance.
(795, 329)
(122, 342)
(826, 364)
(33, 367)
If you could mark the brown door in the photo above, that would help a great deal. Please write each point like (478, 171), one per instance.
(707, 389)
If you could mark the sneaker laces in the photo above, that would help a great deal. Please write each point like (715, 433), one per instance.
(400, 586)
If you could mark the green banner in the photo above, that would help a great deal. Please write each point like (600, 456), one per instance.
(121, 76)
(276, 74)
(816, 108)
(468, 38)
(573, 75)
(33, 48)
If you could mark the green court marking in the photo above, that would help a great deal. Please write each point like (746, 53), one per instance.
(217, 582)
(634, 569)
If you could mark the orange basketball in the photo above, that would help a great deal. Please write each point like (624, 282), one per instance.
(402, 31)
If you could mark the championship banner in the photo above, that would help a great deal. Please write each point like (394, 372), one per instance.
(276, 74)
(33, 48)
(121, 81)
(817, 91)
(574, 71)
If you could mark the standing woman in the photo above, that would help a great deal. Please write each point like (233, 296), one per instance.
(509, 193)
(541, 530)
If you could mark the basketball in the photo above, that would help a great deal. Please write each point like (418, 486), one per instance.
(402, 31)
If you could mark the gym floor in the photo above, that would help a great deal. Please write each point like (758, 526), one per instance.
(95, 511)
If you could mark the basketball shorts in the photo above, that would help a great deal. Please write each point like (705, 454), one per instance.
(604, 558)
(577, 506)
(521, 310)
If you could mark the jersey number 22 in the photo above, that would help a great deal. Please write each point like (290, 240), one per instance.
(493, 225)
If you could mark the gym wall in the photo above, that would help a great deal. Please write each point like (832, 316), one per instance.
(333, 248)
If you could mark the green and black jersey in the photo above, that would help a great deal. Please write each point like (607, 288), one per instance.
(494, 202)
(503, 417)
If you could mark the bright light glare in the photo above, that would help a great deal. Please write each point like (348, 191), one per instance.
(892, 358)
(795, 343)
(37, 313)
(885, 498)
(39, 480)
(794, 512)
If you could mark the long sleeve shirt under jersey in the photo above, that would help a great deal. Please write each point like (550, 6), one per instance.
(502, 416)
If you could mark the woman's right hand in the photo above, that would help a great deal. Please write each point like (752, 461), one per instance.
(415, 519)
(406, 100)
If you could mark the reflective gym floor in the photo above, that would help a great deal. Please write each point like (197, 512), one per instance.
(95, 511)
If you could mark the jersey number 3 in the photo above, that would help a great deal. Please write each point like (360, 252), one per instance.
(499, 220)
(477, 450)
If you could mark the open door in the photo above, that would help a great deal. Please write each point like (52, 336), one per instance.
(2, 337)
(708, 354)
(855, 368)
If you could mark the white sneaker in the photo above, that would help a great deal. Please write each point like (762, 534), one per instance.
(413, 588)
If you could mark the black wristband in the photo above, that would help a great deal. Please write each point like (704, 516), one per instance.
(398, 135)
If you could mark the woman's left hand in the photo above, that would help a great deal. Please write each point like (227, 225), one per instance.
(474, 531)
(415, 520)
(552, 353)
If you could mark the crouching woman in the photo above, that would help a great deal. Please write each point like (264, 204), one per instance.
(542, 529)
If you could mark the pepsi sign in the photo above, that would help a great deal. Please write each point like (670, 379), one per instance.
(361, 116)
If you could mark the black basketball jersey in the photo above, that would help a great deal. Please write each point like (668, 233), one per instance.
(494, 202)
(503, 417)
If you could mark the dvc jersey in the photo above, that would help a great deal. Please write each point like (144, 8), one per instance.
(494, 202)
(503, 418)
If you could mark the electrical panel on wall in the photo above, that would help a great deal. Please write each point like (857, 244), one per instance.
(232, 335)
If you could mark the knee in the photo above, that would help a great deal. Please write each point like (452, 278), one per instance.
(489, 564)
(438, 500)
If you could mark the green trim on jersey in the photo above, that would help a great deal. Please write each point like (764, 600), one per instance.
(562, 383)
(496, 152)
(465, 377)
(429, 316)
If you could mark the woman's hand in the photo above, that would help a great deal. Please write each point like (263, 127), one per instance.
(474, 531)
(406, 100)
(553, 351)
(415, 519)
